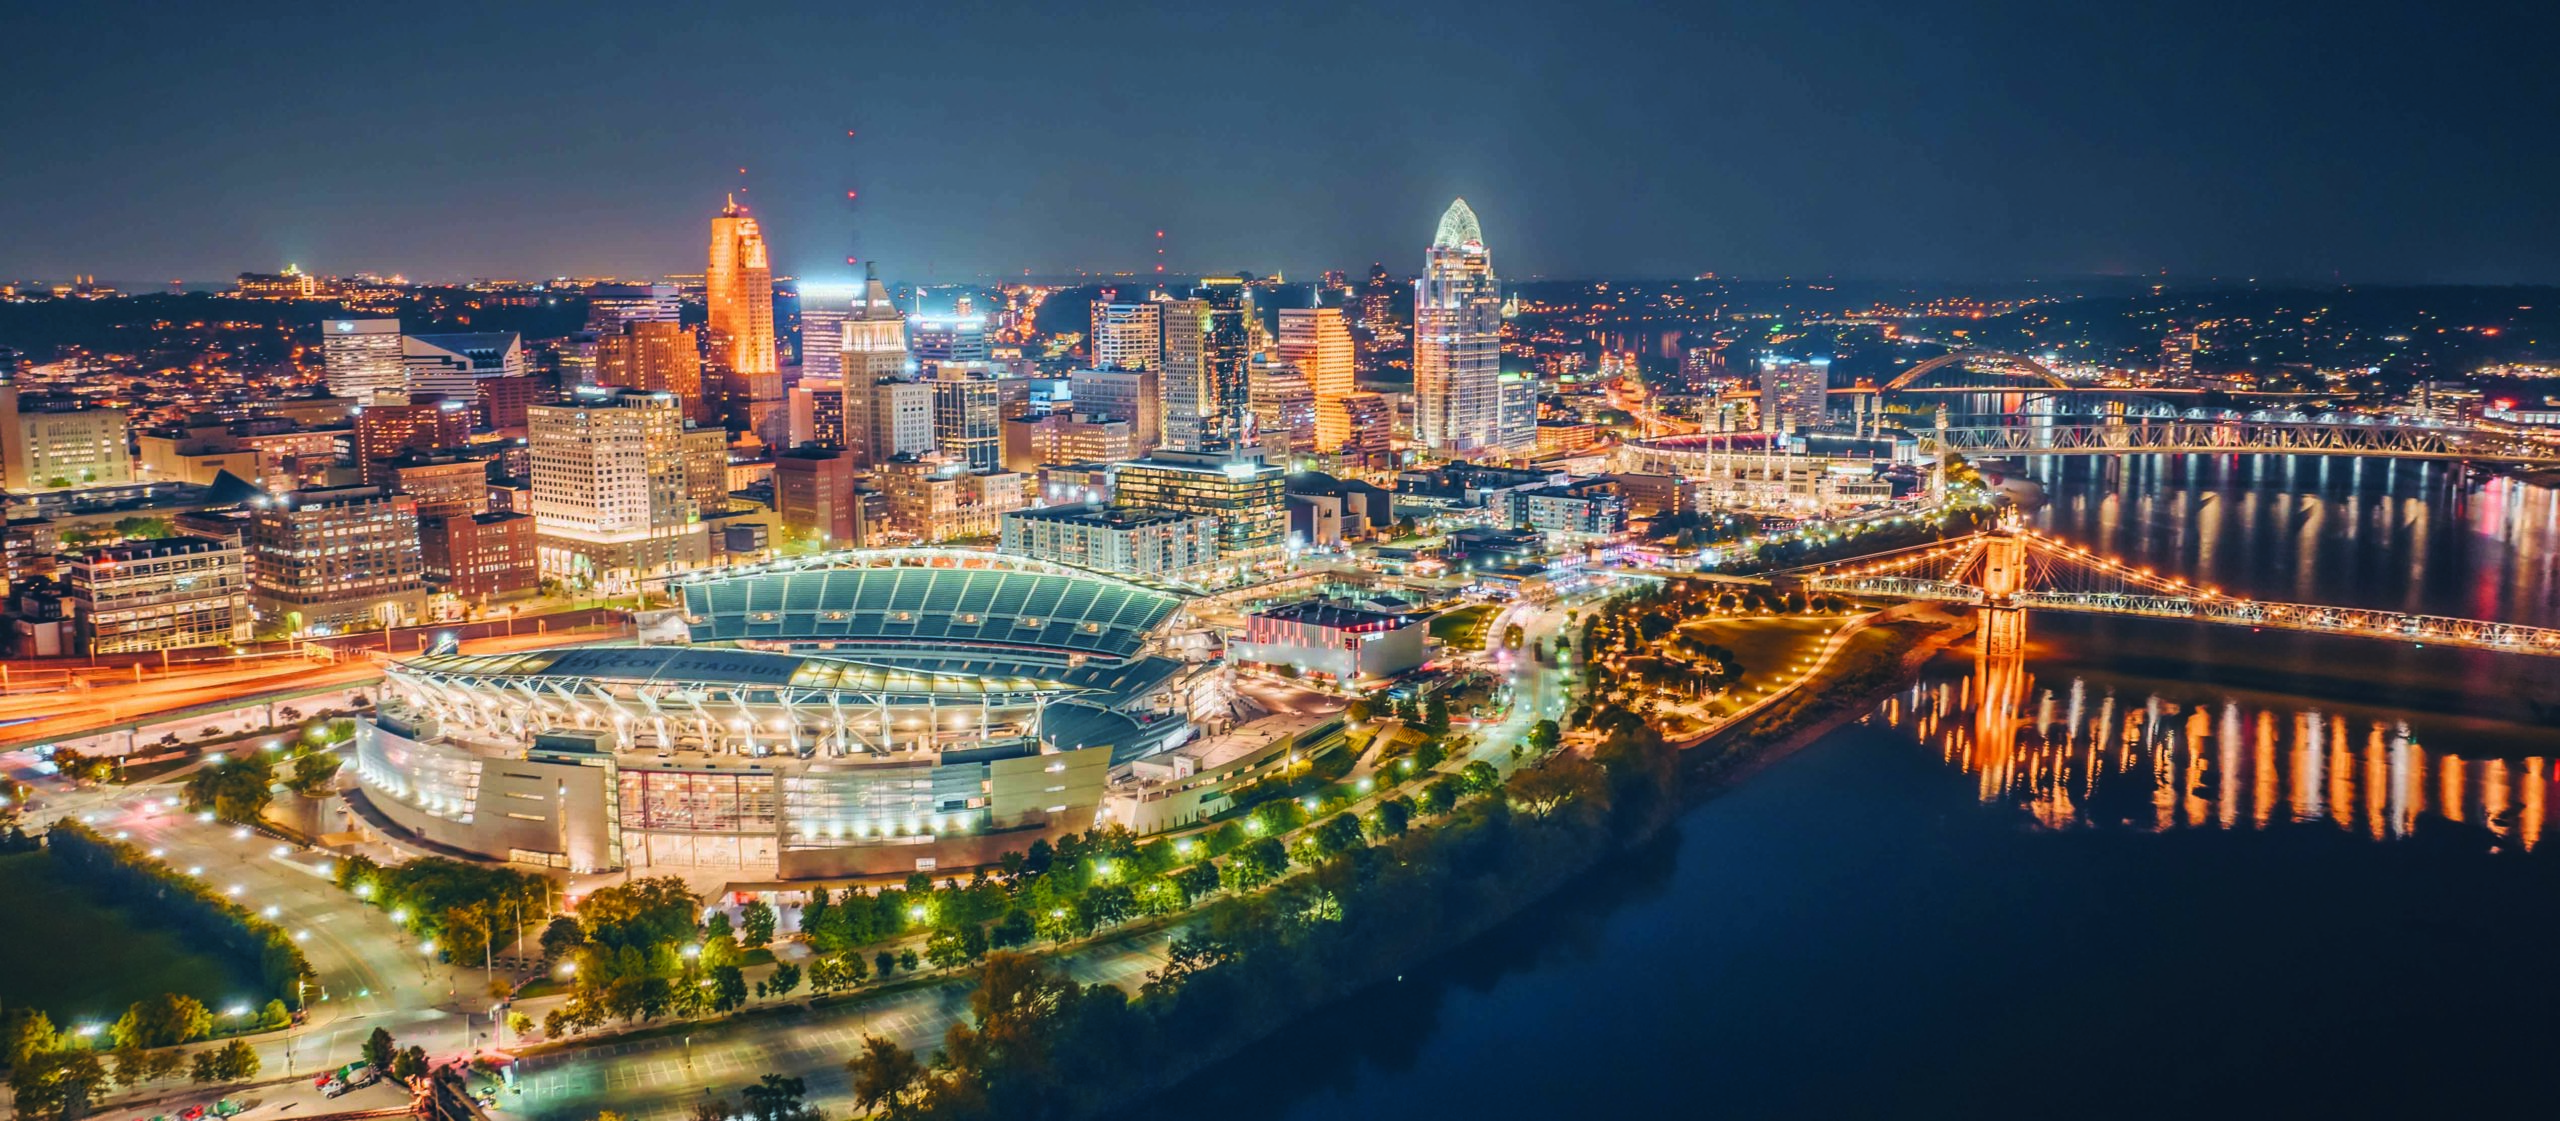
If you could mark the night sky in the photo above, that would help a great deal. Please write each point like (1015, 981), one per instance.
(2357, 141)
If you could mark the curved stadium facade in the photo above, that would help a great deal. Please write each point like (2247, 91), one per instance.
(879, 712)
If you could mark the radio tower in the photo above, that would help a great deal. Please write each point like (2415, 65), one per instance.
(851, 199)
(1159, 252)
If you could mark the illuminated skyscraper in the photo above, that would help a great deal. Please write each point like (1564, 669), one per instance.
(874, 350)
(1457, 340)
(1318, 343)
(1226, 357)
(612, 497)
(1186, 370)
(1794, 393)
(738, 287)
(1128, 336)
(362, 358)
(823, 308)
(656, 356)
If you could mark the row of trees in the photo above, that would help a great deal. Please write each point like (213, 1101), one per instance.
(207, 918)
(58, 1077)
(239, 785)
(456, 905)
(1038, 1045)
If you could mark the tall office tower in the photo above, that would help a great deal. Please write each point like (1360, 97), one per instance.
(1318, 343)
(823, 310)
(1284, 410)
(361, 358)
(873, 350)
(1186, 370)
(455, 365)
(1517, 394)
(1131, 395)
(427, 424)
(706, 469)
(1226, 389)
(335, 559)
(1457, 340)
(738, 287)
(612, 493)
(968, 422)
(659, 357)
(1128, 336)
(609, 306)
(1378, 309)
(1794, 393)
(817, 413)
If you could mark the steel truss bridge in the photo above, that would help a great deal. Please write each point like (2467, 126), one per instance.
(2326, 435)
(2017, 568)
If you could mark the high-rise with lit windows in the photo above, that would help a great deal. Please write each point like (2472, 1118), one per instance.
(738, 289)
(1318, 342)
(1457, 340)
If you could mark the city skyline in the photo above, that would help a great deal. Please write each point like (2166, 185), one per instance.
(2183, 137)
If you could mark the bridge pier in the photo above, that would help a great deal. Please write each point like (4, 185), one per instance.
(2001, 632)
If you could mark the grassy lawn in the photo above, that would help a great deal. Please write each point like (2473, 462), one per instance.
(1768, 646)
(82, 959)
(1461, 629)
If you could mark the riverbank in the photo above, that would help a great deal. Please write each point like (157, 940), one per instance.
(1876, 658)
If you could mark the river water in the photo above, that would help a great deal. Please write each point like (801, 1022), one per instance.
(2149, 869)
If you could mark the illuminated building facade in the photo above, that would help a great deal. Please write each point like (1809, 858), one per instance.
(53, 448)
(738, 290)
(1247, 496)
(1128, 336)
(335, 559)
(1318, 343)
(1794, 393)
(613, 498)
(455, 365)
(1186, 371)
(361, 358)
(1457, 340)
(1135, 396)
(170, 594)
(659, 356)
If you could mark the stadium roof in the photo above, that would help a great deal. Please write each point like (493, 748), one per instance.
(683, 666)
(952, 612)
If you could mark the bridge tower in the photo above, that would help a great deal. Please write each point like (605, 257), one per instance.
(1938, 466)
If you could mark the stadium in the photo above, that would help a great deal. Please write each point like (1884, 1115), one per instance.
(863, 713)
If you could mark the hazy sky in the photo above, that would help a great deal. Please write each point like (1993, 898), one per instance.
(1992, 140)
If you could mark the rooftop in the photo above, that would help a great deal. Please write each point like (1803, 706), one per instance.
(1337, 615)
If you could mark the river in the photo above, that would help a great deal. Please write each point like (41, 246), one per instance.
(2149, 869)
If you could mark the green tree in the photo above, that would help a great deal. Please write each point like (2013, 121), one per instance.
(907, 960)
(165, 1020)
(885, 1076)
(728, 988)
(57, 1084)
(379, 1049)
(1394, 815)
(235, 787)
(1254, 865)
(1544, 736)
(885, 963)
(1479, 777)
(25, 1032)
(758, 920)
(409, 1066)
(235, 1061)
(776, 1098)
(313, 771)
(1338, 835)
(786, 977)
(945, 949)
(1012, 929)
(561, 937)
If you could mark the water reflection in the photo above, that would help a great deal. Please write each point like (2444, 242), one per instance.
(2078, 750)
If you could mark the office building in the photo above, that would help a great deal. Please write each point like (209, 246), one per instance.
(738, 290)
(706, 469)
(441, 485)
(1457, 340)
(335, 559)
(1033, 442)
(1516, 394)
(386, 431)
(1245, 495)
(937, 339)
(1284, 410)
(1185, 372)
(660, 357)
(361, 358)
(1160, 544)
(1368, 424)
(1318, 343)
(815, 496)
(823, 310)
(968, 420)
(613, 501)
(503, 400)
(1794, 393)
(481, 557)
(887, 419)
(43, 447)
(454, 365)
(169, 594)
(1227, 355)
(1128, 336)
(1133, 395)
(817, 413)
(611, 306)
(934, 502)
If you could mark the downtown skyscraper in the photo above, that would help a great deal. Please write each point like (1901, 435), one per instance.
(1457, 340)
(738, 287)
(1318, 343)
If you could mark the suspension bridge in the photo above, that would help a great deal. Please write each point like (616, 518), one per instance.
(2014, 568)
